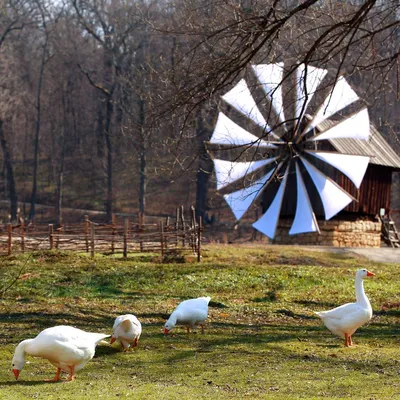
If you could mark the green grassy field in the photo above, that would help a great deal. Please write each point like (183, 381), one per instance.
(261, 341)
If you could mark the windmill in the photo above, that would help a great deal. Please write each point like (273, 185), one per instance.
(291, 147)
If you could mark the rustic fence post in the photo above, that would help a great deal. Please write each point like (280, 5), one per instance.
(140, 216)
(183, 228)
(126, 228)
(87, 233)
(199, 241)
(51, 237)
(162, 238)
(92, 239)
(113, 234)
(9, 230)
(60, 229)
(177, 227)
(22, 235)
(193, 232)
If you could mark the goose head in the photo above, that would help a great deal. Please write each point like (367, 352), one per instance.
(363, 273)
(168, 327)
(17, 365)
(170, 324)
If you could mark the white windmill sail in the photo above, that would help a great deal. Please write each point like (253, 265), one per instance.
(269, 221)
(228, 172)
(340, 96)
(308, 80)
(333, 198)
(241, 200)
(227, 132)
(240, 98)
(355, 126)
(271, 76)
(304, 220)
(354, 167)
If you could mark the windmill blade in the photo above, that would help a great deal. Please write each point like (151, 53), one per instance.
(269, 221)
(270, 76)
(304, 220)
(354, 167)
(241, 200)
(333, 197)
(341, 96)
(240, 98)
(308, 80)
(356, 126)
(228, 172)
(227, 132)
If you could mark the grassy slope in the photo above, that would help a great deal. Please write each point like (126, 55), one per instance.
(265, 343)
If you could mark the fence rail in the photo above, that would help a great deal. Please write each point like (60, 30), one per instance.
(164, 237)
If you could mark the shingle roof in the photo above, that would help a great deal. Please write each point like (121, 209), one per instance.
(376, 147)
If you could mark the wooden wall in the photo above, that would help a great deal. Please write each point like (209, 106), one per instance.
(374, 192)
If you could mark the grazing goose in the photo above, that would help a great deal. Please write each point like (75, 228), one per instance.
(346, 319)
(127, 330)
(189, 313)
(67, 348)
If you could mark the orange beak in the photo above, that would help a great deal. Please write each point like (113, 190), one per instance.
(112, 340)
(166, 331)
(369, 273)
(16, 373)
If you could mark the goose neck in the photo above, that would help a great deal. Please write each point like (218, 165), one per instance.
(360, 294)
(25, 347)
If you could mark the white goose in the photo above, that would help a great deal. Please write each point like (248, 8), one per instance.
(346, 319)
(127, 330)
(67, 348)
(189, 313)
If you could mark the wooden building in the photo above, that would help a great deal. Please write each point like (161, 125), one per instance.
(356, 225)
(375, 190)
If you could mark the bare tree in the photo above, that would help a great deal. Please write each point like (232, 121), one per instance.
(110, 26)
(14, 16)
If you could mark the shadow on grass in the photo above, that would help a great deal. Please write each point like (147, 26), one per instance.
(21, 382)
(313, 303)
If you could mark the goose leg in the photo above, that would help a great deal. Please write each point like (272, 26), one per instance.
(56, 377)
(72, 373)
(350, 341)
(346, 340)
(135, 342)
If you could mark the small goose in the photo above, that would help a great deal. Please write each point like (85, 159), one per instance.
(67, 348)
(189, 313)
(346, 319)
(127, 330)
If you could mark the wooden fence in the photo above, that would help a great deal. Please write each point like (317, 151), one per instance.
(168, 236)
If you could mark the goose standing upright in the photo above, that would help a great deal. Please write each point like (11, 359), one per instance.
(127, 330)
(346, 319)
(189, 313)
(67, 348)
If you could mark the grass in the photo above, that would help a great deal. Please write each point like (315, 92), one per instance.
(262, 339)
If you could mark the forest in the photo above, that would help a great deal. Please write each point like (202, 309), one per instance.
(106, 105)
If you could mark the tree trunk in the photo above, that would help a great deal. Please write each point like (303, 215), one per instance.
(204, 171)
(10, 174)
(110, 193)
(32, 211)
(60, 176)
(143, 160)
